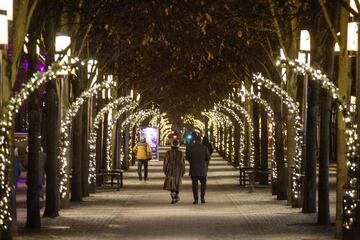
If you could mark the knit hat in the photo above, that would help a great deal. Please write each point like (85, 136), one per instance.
(175, 143)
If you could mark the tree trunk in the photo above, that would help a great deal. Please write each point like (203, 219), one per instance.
(99, 147)
(104, 143)
(343, 83)
(265, 148)
(51, 167)
(52, 129)
(309, 200)
(325, 126)
(76, 180)
(256, 134)
(323, 194)
(236, 146)
(85, 154)
(32, 198)
(281, 186)
(33, 203)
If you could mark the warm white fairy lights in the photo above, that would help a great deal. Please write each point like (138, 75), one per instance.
(222, 122)
(227, 107)
(165, 132)
(350, 187)
(126, 104)
(65, 129)
(243, 93)
(242, 135)
(293, 109)
(10, 109)
(199, 125)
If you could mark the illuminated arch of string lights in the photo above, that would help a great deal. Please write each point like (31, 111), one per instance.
(242, 136)
(221, 121)
(243, 92)
(131, 121)
(155, 121)
(214, 122)
(66, 125)
(230, 125)
(199, 125)
(165, 133)
(164, 123)
(217, 121)
(226, 107)
(351, 137)
(293, 109)
(127, 104)
(10, 109)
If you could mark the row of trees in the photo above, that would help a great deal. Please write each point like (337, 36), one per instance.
(168, 51)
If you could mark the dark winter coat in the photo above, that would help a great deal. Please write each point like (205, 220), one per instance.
(198, 156)
(209, 146)
(174, 169)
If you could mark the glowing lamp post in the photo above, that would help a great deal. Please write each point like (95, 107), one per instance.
(304, 57)
(62, 43)
(7, 7)
(3, 28)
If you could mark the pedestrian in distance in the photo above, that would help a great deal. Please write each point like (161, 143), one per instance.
(206, 143)
(174, 169)
(143, 155)
(199, 157)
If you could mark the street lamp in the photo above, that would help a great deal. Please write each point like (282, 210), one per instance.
(7, 6)
(352, 39)
(3, 40)
(3, 28)
(92, 70)
(62, 42)
(304, 57)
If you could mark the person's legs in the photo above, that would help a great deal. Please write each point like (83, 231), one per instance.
(146, 170)
(195, 189)
(177, 198)
(203, 188)
(173, 197)
(139, 169)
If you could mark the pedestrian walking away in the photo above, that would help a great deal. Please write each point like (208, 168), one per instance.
(199, 157)
(174, 169)
(143, 155)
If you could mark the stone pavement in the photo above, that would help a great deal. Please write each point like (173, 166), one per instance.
(141, 210)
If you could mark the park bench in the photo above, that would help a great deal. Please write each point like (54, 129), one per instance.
(114, 173)
(248, 174)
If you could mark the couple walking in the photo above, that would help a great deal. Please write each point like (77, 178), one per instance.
(198, 156)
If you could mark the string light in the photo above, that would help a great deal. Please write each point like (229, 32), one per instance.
(243, 93)
(293, 108)
(10, 109)
(221, 122)
(127, 104)
(65, 128)
(249, 121)
(349, 209)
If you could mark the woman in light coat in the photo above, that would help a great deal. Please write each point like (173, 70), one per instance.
(174, 169)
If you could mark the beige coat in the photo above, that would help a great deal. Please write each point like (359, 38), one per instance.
(174, 169)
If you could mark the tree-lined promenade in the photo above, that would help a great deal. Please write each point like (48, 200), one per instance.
(272, 84)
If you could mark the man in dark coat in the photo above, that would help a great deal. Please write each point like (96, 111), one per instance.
(198, 157)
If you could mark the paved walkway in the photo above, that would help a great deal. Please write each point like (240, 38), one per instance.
(141, 210)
